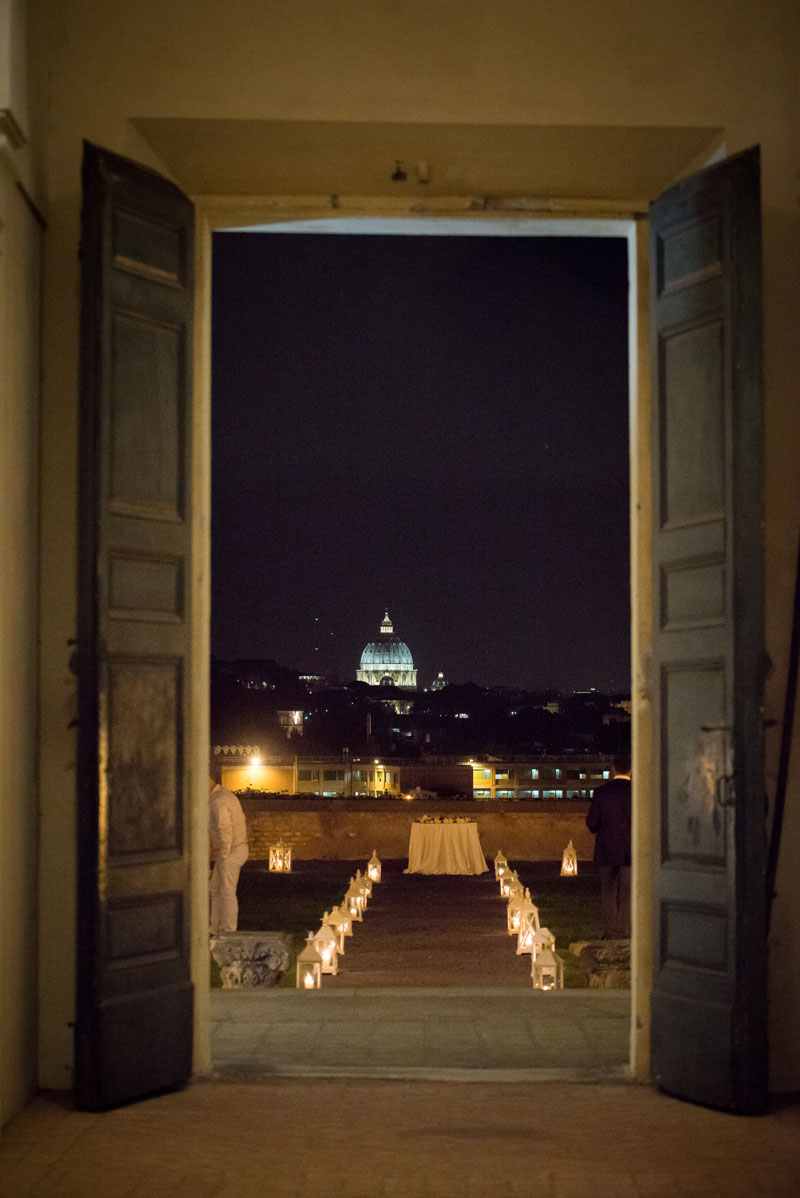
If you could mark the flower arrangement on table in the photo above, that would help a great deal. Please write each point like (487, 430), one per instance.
(445, 819)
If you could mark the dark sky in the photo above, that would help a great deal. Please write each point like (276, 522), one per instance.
(434, 424)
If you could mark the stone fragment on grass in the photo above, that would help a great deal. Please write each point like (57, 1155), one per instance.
(606, 963)
(250, 959)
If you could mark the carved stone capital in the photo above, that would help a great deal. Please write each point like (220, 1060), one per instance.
(250, 959)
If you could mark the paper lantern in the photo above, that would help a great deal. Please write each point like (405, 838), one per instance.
(309, 966)
(374, 867)
(569, 862)
(280, 858)
(325, 944)
(500, 865)
(547, 971)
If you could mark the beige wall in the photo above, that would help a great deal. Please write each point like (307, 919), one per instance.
(20, 245)
(512, 62)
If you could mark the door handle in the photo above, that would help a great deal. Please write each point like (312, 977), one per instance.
(724, 792)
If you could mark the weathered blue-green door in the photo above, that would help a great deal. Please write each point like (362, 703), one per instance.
(134, 997)
(708, 1003)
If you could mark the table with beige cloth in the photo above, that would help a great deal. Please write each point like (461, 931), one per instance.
(445, 849)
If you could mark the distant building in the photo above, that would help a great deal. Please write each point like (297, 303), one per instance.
(568, 776)
(387, 661)
(439, 682)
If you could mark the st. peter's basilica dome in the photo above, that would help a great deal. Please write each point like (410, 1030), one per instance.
(387, 661)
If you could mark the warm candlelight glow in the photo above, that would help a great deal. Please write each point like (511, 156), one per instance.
(308, 981)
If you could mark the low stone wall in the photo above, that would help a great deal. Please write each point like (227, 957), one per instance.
(349, 829)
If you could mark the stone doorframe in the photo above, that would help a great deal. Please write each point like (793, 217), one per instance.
(601, 219)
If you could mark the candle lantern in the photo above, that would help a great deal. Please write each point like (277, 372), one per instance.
(514, 904)
(280, 858)
(507, 883)
(547, 971)
(331, 919)
(542, 939)
(528, 924)
(325, 944)
(500, 865)
(342, 924)
(365, 884)
(374, 867)
(354, 900)
(309, 966)
(569, 862)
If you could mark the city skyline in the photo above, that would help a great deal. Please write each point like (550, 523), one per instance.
(437, 425)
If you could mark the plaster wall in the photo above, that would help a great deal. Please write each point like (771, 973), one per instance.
(20, 247)
(94, 68)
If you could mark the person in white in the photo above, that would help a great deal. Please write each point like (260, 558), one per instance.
(228, 832)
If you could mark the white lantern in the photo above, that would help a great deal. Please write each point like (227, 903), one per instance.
(309, 966)
(507, 882)
(330, 920)
(547, 971)
(374, 867)
(354, 901)
(362, 880)
(515, 902)
(500, 865)
(342, 924)
(325, 944)
(542, 939)
(569, 862)
(528, 924)
(280, 858)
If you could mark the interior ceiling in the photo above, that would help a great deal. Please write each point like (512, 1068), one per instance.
(297, 158)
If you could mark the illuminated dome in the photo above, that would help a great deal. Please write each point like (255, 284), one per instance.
(387, 661)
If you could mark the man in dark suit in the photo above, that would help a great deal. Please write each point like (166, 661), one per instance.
(610, 818)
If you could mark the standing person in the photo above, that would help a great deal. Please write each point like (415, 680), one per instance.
(228, 832)
(610, 817)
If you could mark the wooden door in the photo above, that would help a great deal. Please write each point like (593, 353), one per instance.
(134, 996)
(708, 1003)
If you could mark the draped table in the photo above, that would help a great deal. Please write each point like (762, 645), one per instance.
(445, 849)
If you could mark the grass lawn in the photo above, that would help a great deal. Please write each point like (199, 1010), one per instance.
(569, 907)
(292, 903)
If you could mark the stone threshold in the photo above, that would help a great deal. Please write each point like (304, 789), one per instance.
(586, 1075)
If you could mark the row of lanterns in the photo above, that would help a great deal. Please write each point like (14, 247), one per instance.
(322, 951)
(522, 916)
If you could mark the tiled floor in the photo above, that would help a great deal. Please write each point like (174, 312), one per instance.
(326, 1138)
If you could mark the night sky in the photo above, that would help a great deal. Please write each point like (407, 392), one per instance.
(434, 424)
